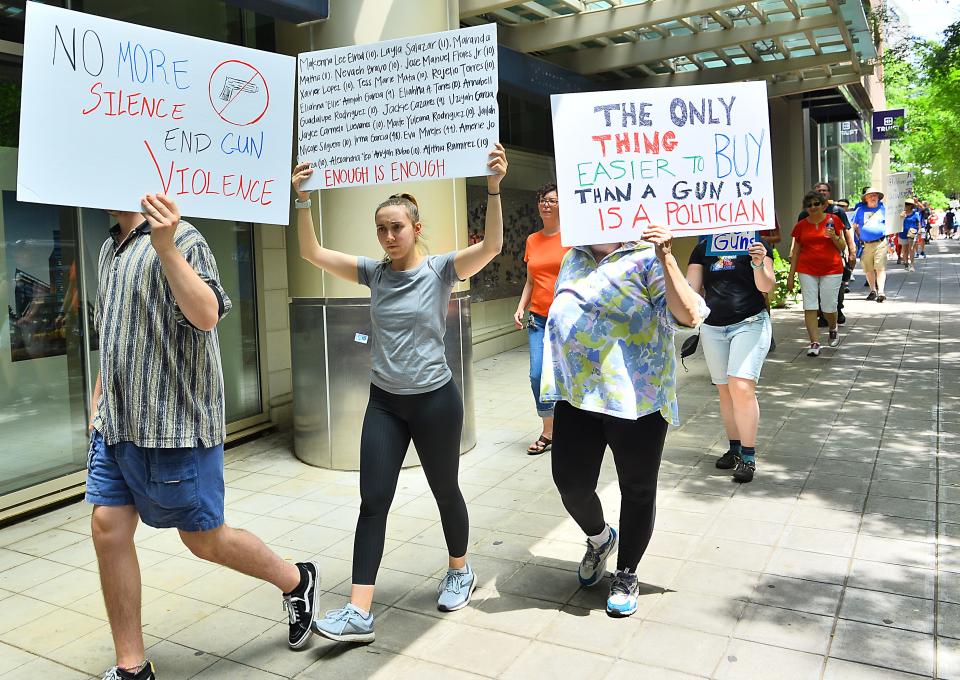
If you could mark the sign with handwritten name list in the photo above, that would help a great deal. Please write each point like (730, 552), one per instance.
(899, 189)
(694, 159)
(111, 111)
(419, 108)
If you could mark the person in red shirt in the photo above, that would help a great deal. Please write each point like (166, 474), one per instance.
(543, 255)
(818, 242)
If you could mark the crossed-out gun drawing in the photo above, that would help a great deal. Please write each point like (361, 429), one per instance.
(232, 85)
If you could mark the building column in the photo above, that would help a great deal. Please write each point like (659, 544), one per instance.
(345, 216)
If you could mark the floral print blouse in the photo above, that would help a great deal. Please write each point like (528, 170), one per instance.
(609, 345)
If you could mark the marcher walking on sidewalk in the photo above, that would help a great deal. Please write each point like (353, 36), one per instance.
(157, 432)
(870, 224)
(412, 393)
(910, 233)
(850, 255)
(610, 364)
(735, 338)
(543, 255)
(816, 255)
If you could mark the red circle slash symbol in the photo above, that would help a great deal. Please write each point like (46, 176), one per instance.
(238, 92)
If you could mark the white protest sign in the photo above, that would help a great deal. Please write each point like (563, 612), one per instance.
(899, 189)
(111, 111)
(730, 244)
(694, 159)
(404, 110)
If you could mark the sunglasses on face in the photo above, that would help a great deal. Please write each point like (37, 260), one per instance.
(812, 204)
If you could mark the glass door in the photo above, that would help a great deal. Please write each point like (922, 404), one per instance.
(42, 360)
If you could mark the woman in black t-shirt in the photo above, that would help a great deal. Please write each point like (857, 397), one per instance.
(735, 337)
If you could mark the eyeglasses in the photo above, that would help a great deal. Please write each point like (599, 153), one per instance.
(548, 201)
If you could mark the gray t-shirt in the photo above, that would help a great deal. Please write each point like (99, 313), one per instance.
(408, 314)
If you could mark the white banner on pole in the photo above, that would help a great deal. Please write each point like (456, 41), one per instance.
(418, 108)
(899, 189)
(694, 159)
(111, 111)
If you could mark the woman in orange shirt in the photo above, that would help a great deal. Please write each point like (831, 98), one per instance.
(818, 240)
(543, 255)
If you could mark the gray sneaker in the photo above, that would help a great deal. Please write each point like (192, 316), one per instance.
(345, 625)
(455, 589)
(594, 563)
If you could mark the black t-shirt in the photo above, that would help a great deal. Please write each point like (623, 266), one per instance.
(729, 288)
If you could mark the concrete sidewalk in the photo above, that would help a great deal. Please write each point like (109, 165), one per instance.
(840, 561)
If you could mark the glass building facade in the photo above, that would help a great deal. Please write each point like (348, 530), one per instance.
(48, 280)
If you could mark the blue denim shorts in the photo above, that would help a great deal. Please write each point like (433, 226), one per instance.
(181, 488)
(736, 350)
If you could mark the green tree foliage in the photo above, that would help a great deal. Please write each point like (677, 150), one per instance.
(924, 79)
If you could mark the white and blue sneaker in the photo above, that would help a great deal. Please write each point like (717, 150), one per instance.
(594, 563)
(345, 625)
(624, 592)
(456, 588)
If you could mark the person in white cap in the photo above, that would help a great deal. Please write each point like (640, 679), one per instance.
(870, 224)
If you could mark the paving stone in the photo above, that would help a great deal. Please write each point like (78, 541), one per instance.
(805, 596)
(787, 628)
(885, 647)
(887, 609)
(748, 660)
(682, 649)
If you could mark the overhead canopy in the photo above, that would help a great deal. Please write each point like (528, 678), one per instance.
(796, 45)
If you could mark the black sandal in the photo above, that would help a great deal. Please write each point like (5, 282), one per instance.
(542, 445)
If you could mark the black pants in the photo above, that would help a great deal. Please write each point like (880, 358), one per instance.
(434, 421)
(579, 441)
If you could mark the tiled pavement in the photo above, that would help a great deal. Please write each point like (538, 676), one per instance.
(840, 561)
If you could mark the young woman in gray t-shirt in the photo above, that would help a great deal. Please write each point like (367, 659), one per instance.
(412, 395)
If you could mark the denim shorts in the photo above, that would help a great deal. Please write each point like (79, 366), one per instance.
(181, 488)
(737, 350)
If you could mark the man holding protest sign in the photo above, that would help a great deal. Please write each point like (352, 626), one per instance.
(157, 431)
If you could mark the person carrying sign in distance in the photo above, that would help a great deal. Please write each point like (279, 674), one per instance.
(610, 364)
(818, 242)
(543, 254)
(735, 339)
(412, 394)
(157, 431)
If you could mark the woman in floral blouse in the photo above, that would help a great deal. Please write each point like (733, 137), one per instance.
(610, 364)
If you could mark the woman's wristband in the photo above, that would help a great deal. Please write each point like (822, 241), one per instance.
(756, 266)
(490, 193)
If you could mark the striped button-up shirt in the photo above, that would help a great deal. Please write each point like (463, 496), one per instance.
(161, 377)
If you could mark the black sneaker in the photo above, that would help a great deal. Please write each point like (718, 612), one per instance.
(301, 604)
(872, 296)
(117, 673)
(881, 297)
(744, 471)
(841, 319)
(727, 461)
(821, 322)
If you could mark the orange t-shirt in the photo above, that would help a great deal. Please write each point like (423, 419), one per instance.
(818, 256)
(543, 255)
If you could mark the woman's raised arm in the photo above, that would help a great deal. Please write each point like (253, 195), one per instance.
(339, 264)
(473, 258)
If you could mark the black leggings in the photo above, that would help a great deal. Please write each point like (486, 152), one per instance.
(434, 421)
(580, 439)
